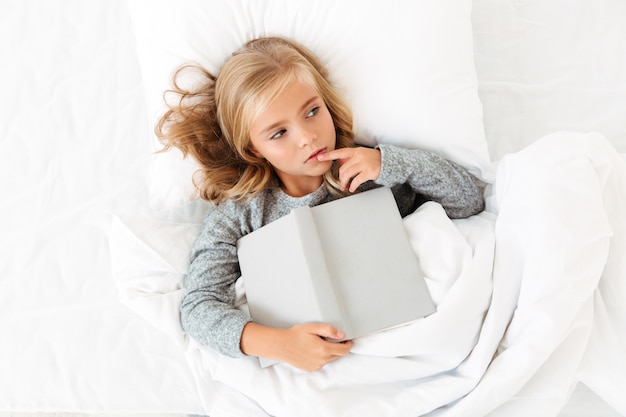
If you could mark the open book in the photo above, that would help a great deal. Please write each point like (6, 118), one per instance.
(348, 263)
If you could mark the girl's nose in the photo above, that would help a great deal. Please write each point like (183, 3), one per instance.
(307, 136)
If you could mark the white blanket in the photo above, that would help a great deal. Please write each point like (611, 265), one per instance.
(528, 301)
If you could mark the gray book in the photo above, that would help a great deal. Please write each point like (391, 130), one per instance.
(348, 263)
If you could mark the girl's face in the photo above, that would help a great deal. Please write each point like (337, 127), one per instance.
(290, 133)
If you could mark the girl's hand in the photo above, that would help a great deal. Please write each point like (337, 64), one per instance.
(357, 165)
(301, 346)
(306, 349)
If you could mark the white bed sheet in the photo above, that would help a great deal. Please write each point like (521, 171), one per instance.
(75, 148)
(550, 65)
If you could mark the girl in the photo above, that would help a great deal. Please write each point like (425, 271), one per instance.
(272, 134)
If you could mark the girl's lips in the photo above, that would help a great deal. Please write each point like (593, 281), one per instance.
(313, 157)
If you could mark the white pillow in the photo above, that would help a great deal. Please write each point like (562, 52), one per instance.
(406, 67)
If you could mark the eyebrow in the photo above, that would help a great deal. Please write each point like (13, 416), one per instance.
(275, 125)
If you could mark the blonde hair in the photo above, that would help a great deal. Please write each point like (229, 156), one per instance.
(211, 121)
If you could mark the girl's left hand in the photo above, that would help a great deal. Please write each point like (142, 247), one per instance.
(357, 165)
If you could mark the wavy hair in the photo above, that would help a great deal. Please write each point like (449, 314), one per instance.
(211, 120)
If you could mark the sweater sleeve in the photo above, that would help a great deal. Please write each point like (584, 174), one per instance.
(433, 178)
(208, 312)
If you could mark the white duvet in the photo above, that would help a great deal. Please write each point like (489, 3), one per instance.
(530, 298)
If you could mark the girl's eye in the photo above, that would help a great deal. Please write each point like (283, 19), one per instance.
(278, 134)
(313, 112)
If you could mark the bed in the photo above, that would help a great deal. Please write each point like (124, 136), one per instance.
(96, 228)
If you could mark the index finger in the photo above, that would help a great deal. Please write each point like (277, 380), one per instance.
(342, 153)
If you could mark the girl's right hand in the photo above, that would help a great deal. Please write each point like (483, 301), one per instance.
(307, 349)
(302, 346)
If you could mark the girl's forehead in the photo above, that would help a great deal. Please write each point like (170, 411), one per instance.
(290, 102)
(269, 96)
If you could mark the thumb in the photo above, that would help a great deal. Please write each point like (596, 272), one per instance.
(326, 330)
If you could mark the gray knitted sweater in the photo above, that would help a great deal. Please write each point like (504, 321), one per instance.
(208, 312)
